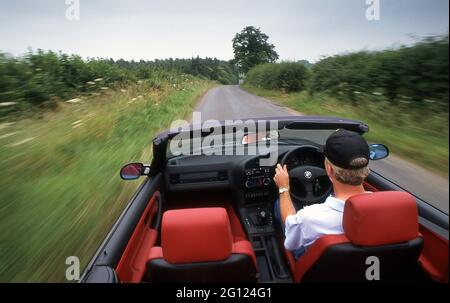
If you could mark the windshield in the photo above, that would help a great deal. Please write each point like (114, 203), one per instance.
(214, 144)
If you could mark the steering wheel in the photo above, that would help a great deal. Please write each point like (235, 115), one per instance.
(310, 177)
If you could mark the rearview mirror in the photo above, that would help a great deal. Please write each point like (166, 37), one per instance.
(133, 171)
(378, 151)
(261, 136)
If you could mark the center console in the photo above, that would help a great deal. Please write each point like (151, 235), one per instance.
(260, 223)
(257, 183)
(257, 216)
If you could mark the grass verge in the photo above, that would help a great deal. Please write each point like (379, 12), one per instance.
(413, 134)
(60, 190)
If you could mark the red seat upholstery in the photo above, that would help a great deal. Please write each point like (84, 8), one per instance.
(381, 218)
(197, 245)
(382, 224)
(196, 235)
(208, 202)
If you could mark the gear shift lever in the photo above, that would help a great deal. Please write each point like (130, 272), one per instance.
(263, 217)
(260, 218)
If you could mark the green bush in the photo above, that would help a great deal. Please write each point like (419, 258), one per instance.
(40, 78)
(416, 74)
(208, 68)
(286, 76)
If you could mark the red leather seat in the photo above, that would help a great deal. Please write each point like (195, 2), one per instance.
(383, 225)
(197, 245)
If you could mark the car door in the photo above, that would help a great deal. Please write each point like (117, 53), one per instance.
(120, 258)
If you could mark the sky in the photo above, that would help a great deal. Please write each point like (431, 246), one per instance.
(148, 29)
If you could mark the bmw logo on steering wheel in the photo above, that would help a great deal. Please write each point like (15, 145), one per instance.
(308, 174)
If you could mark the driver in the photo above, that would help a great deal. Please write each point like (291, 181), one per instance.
(346, 163)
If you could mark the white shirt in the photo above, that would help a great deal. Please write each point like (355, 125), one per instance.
(312, 222)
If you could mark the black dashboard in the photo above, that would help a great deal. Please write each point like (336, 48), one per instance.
(244, 176)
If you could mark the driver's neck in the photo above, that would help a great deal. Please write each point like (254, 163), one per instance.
(344, 191)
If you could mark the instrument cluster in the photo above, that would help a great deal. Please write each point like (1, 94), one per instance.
(301, 158)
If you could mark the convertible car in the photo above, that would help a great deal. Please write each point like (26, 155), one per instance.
(208, 217)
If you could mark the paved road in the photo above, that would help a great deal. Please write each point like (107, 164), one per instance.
(230, 102)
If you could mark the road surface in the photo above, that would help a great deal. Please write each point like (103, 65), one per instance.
(231, 102)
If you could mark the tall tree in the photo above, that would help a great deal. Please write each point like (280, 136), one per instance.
(251, 48)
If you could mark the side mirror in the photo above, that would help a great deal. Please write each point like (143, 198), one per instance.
(378, 151)
(133, 171)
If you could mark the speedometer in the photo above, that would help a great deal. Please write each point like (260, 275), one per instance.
(293, 162)
(303, 158)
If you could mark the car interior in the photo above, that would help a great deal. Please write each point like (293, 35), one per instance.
(211, 219)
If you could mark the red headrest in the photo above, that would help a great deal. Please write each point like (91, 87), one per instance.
(381, 218)
(196, 235)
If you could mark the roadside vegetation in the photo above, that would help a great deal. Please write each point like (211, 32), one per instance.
(224, 72)
(42, 79)
(60, 188)
(402, 94)
(286, 76)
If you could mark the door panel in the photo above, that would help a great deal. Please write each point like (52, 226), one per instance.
(113, 247)
(370, 187)
(434, 257)
(131, 266)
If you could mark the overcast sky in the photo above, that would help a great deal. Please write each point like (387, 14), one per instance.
(148, 29)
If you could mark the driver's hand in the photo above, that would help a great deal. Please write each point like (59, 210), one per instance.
(281, 177)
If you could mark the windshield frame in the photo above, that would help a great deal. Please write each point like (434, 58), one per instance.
(300, 123)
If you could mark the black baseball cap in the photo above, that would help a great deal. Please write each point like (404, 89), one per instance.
(343, 146)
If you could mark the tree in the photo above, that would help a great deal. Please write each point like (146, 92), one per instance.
(251, 48)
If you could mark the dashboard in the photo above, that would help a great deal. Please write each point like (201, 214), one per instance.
(241, 175)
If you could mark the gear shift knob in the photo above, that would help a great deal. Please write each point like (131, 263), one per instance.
(262, 218)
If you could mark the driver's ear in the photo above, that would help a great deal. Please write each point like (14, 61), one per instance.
(329, 169)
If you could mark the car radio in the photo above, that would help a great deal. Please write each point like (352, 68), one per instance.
(199, 177)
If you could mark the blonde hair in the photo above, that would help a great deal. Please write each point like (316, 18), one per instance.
(351, 176)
